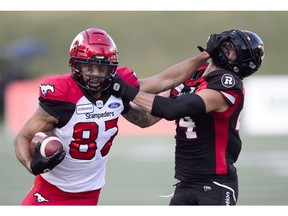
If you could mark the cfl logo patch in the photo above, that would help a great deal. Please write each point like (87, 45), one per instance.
(227, 80)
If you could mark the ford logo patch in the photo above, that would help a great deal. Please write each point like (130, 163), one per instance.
(114, 105)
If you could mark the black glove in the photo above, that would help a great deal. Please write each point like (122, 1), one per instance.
(121, 89)
(40, 164)
(214, 42)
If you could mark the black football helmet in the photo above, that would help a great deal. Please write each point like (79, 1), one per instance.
(93, 47)
(249, 49)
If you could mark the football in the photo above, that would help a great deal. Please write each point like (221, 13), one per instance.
(50, 143)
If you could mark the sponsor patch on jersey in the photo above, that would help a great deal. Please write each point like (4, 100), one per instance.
(114, 105)
(84, 108)
(45, 88)
(227, 80)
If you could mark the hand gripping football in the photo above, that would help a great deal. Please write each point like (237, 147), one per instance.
(50, 143)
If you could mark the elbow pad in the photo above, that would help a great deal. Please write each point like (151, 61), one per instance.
(182, 106)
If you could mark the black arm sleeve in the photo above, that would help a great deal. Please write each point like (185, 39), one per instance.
(182, 106)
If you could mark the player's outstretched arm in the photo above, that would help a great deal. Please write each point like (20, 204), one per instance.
(174, 75)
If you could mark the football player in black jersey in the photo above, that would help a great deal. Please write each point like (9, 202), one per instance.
(207, 108)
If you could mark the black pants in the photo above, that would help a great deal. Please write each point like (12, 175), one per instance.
(218, 192)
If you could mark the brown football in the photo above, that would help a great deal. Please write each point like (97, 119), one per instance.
(50, 143)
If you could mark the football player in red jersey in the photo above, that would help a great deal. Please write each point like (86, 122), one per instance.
(79, 108)
(207, 108)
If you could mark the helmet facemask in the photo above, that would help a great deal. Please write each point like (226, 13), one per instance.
(87, 79)
(250, 53)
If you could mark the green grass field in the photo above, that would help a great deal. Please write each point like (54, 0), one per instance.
(140, 170)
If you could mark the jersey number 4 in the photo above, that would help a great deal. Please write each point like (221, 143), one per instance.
(189, 124)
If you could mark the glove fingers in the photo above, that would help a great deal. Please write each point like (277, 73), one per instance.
(201, 49)
(37, 148)
(57, 157)
(222, 38)
(45, 164)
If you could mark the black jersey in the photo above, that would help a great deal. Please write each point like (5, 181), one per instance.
(208, 145)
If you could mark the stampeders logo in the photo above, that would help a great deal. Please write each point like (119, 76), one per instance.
(45, 88)
(40, 198)
(99, 115)
(228, 80)
(88, 110)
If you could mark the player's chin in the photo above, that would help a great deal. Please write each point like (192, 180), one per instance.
(95, 84)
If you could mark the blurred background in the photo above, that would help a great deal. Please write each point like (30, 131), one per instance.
(140, 169)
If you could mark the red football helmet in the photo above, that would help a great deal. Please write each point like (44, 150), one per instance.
(93, 47)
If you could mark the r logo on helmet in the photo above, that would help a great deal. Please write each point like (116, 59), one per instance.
(228, 80)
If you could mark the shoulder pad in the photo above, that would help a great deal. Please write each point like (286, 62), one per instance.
(128, 75)
(58, 87)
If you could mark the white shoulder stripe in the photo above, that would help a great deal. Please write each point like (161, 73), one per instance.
(230, 98)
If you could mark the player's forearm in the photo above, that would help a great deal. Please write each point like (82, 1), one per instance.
(22, 152)
(140, 117)
(144, 100)
(174, 75)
